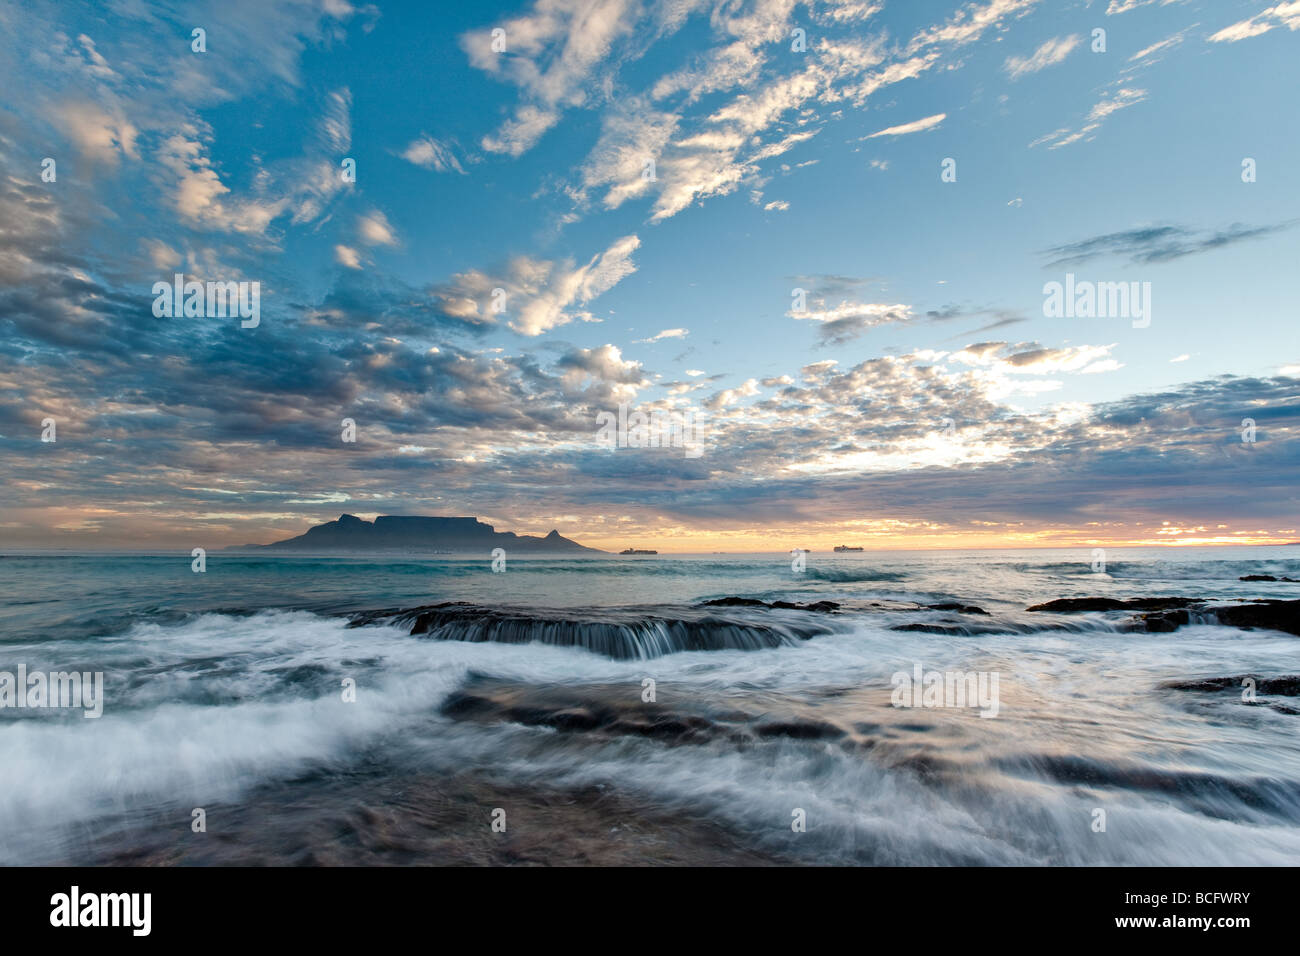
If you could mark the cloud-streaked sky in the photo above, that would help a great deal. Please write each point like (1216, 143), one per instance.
(619, 206)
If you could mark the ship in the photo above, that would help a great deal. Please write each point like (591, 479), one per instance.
(637, 551)
(845, 547)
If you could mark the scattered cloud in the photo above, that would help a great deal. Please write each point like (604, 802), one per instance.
(430, 153)
(1152, 244)
(1281, 15)
(916, 126)
(1051, 52)
(1109, 104)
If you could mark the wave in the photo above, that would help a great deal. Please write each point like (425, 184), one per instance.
(633, 633)
(852, 575)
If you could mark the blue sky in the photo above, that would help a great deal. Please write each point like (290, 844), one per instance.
(778, 165)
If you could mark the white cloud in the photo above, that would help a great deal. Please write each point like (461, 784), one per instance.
(336, 125)
(1282, 15)
(347, 256)
(97, 133)
(1050, 53)
(198, 193)
(551, 54)
(631, 141)
(731, 396)
(517, 136)
(376, 230)
(541, 295)
(1160, 46)
(666, 334)
(916, 126)
(1113, 103)
(430, 153)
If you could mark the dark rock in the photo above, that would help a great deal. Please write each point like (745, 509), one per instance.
(800, 730)
(1068, 605)
(960, 608)
(1271, 615)
(734, 602)
(824, 607)
(1159, 622)
(951, 630)
(1274, 615)
(1285, 686)
(1268, 577)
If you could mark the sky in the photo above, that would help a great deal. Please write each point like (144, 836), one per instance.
(824, 231)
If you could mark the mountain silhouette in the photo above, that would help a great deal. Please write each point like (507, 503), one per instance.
(423, 533)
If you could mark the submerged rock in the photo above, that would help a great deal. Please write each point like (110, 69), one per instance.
(1268, 577)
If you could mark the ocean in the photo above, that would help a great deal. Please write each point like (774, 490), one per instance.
(599, 710)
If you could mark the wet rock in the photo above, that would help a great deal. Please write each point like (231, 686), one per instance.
(1274, 615)
(800, 730)
(1070, 605)
(959, 608)
(1268, 577)
(1286, 686)
(949, 630)
(824, 607)
(1271, 615)
(1159, 622)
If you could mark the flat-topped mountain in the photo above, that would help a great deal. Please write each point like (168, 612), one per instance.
(423, 533)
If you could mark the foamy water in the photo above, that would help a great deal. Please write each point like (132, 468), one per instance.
(218, 699)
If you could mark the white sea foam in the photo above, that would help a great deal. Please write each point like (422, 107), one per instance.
(207, 710)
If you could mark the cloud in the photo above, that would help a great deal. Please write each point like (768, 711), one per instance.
(604, 369)
(347, 256)
(666, 334)
(537, 295)
(730, 396)
(1117, 7)
(700, 154)
(916, 126)
(97, 134)
(1111, 103)
(551, 54)
(336, 123)
(430, 153)
(375, 229)
(1152, 244)
(849, 320)
(199, 195)
(1160, 46)
(1282, 15)
(1048, 54)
